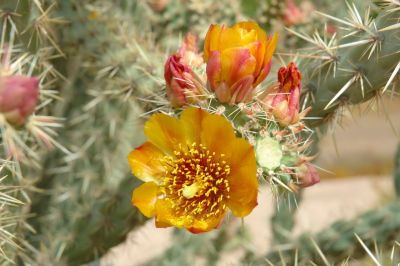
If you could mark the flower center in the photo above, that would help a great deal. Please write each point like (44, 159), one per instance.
(196, 181)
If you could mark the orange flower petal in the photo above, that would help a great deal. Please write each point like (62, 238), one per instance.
(243, 180)
(236, 63)
(164, 132)
(211, 42)
(145, 162)
(218, 134)
(270, 49)
(144, 198)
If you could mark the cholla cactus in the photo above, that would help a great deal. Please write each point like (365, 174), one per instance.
(27, 127)
(111, 72)
(352, 66)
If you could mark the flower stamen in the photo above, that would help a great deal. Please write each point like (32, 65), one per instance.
(196, 181)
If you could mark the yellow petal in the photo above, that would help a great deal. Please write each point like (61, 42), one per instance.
(206, 224)
(243, 179)
(211, 42)
(191, 120)
(217, 134)
(166, 216)
(144, 198)
(164, 132)
(145, 162)
(270, 49)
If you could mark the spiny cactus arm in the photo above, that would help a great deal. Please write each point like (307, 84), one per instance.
(354, 68)
(282, 222)
(339, 242)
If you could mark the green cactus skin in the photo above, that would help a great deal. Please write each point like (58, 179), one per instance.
(321, 86)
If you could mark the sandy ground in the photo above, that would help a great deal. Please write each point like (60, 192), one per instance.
(363, 149)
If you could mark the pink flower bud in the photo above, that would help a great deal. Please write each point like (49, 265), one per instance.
(180, 81)
(293, 15)
(307, 175)
(18, 98)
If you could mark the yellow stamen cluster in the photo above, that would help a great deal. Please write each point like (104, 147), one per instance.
(196, 181)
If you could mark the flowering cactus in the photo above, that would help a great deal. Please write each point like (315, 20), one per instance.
(193, 177)
(18, 98)
(238, 59)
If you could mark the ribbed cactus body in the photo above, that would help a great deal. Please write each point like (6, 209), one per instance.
(353, 74)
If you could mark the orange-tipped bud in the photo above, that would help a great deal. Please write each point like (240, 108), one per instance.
(238, 59)
(18, 98)
(284, 99)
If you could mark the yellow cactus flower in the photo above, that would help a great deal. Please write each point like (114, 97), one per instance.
(194, 169)
(238, 59)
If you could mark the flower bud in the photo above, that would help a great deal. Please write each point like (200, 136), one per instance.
(293, 15)
(307, 175)
(18, 98)
(238, 59)
(180, 81)
(283, 100)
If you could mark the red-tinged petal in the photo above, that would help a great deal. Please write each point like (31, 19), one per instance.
(213, 70)
(242, 90)
(236, 63)
(270, 48)
(144, 198)
(223, 93)
(263, 74)
(145, 162)
(294, 100)
(165, 133)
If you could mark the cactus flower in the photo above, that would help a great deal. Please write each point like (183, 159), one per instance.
(191, 177)
(182, 86)
(307, 175)
(18, 98)
(238, 59)
(283, 100)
